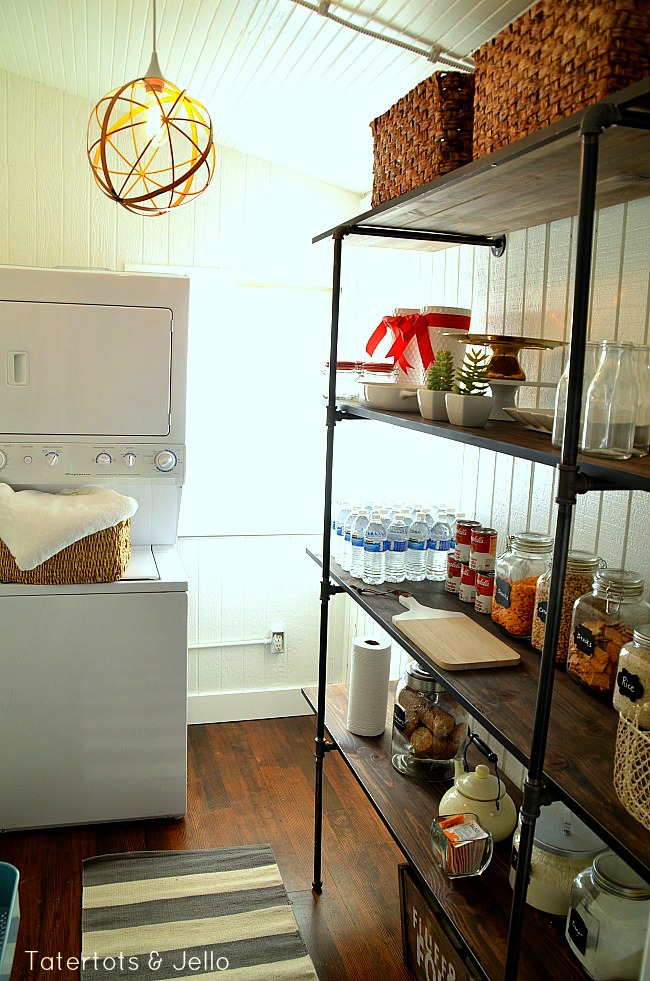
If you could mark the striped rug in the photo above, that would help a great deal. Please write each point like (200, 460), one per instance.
(221, 913)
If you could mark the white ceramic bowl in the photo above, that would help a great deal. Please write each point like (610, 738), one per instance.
(390, 395)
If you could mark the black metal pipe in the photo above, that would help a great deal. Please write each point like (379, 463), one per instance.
(450, 238)
(317, 883)
(534, 786)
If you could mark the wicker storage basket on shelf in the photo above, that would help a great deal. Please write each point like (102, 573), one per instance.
(101, 557)
(557, 58)
(632, 769)
(424, 135)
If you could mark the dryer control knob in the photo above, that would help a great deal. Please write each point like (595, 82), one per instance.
(52, 459)
(103, 459)
(3, 459)
(166, 460)
(129, 459)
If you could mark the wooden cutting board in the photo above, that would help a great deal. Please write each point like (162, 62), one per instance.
(458, 643)
(416, 611)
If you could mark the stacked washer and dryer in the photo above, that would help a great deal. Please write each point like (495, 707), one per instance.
(93, 678)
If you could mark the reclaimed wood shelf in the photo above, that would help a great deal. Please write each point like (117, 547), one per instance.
(582, 731)
(514, 440)
(479, 908)
(529, 182)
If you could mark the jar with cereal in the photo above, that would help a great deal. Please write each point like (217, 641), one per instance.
(528, 556)
(603, 621)
(580, 570)
(632, 691)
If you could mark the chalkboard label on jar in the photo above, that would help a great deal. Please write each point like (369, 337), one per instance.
(577, 930)
(584, 639)
(542, 609)
(399, 717)
(629, 685)
(502, 593)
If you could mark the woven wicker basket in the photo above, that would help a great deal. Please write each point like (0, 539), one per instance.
(424, 135)
(555, 59)
(101, 557)
(632, 769)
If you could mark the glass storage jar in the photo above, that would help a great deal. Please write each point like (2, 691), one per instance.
(429, 727)
(608, 919)
(517, 570)
(611, 406)
(347, 377)
(591, 360)
(632, 688)
(580, 570)
(642, 424)
(377, 371)
(562, 847)
(602, 622)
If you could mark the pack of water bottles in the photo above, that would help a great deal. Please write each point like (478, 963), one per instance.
(392, 543)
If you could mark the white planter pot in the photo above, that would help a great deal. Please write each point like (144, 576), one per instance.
(468, 410)
(432, 405)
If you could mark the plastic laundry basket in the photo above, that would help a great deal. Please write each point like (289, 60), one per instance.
(9, 917)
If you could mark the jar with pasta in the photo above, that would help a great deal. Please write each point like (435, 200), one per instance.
(528, 556)
(580, 570)
(632, 689)
(604, 621)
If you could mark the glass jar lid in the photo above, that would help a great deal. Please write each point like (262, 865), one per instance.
(532, 542)
(420, 680)
(345, 365)
(560, 832)
(618, 583)
(613, 875)
(642, 635)
(580, 561)
(378, 367)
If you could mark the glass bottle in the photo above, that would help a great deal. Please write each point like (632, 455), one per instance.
(602, 622)
(517, 570)
(632, 689)
(580, 570)
(642, 424)
(429, 727)
(608, 919)
(611, 406)
(591, 360)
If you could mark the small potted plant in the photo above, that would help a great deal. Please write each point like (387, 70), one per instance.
(469, 404)
(440, 379)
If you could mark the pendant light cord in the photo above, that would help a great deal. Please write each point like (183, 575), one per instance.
(434, 54)
(154, 29)
(154, 70)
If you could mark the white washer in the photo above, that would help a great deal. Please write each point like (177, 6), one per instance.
(93, 693)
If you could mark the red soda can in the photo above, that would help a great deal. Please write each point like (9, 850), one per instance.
(484, 592)
(454, 567)
(467, 590)
(483, 554)
(464, 538)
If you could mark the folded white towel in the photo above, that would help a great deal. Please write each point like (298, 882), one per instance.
(35, 525)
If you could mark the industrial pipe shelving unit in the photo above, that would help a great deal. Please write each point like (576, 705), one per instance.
(530, 182)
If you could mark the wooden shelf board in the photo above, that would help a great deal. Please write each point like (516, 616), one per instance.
(478, 907)
(530, 182)
(582, 731)
(514, 440)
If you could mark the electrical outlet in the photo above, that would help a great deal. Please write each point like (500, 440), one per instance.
(277, 641)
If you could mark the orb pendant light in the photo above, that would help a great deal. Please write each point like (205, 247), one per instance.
(150, 146)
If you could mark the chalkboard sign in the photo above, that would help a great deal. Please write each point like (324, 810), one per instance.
(399, 717)
(502, 593)
(629, 685)
(542, 609)
(584, 639)
(577, 930)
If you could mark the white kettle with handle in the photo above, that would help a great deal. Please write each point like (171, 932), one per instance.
(480, 792)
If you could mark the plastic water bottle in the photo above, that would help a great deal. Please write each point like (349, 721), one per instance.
(439, 545)
(337, 543)
(374, 554)
(396, 543)
(357, 542)
(416, 552)
(346, 546)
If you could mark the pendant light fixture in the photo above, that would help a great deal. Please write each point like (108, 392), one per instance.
(150, 146)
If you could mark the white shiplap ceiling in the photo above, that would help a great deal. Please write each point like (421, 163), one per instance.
(279, 81)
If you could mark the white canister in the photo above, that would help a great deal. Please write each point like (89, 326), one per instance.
(443, 319)
(563, 845)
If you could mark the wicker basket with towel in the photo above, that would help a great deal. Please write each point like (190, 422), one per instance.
(76, 536)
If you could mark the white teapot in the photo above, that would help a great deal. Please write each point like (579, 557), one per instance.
(483, 794)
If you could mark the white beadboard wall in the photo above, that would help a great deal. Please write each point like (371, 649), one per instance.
(256, 218)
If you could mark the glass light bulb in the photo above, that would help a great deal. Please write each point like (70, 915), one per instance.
(154, 123)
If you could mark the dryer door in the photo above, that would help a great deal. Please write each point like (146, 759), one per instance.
(73, 369)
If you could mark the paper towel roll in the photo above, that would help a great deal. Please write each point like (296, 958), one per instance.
(369, 674)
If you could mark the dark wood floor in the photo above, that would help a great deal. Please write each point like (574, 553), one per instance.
(248, 782)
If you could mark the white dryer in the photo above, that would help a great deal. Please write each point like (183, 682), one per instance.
(93, 678)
